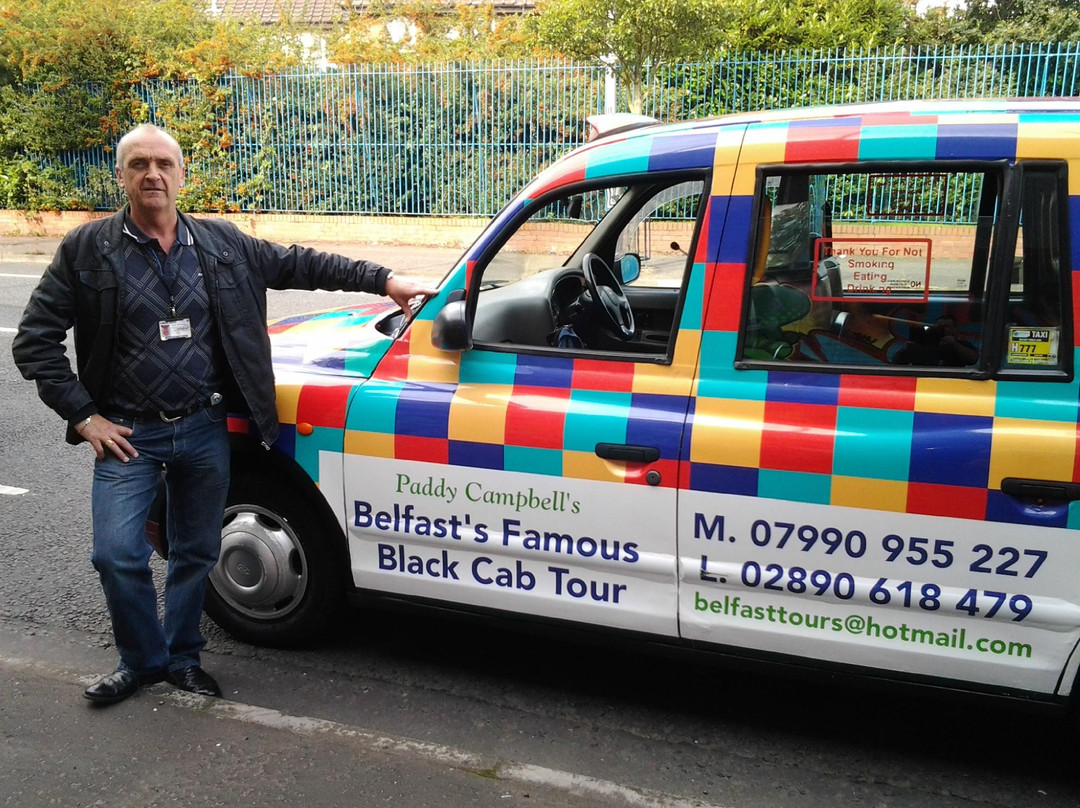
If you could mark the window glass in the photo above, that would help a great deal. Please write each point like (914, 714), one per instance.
(661, 232)
(548, 237)
(872, 269)
(1033, 319)
(601, 269)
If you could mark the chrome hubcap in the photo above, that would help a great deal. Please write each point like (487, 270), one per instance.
(262, 571)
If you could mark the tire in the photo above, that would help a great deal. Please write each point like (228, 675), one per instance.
(278, 580)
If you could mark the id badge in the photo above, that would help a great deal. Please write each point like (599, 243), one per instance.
(174, 329)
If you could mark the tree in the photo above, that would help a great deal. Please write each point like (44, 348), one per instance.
(775, 25)
(65, 41)
(416, 31)
(69, 72)
(633, 36)
(1002, 22)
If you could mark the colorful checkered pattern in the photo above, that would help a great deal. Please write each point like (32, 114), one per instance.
(916, 445)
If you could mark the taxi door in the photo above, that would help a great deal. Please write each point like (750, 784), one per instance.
(536, 471)
(883, 442)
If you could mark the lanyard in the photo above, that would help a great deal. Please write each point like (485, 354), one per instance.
(169, 280)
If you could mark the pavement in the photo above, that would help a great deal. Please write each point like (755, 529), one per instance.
(27, 249)
(417, 262)
(163, 748)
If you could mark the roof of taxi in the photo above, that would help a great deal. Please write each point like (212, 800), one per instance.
(693, 144)
(950, 107)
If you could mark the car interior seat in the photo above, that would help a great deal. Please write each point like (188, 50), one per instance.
(772, 306)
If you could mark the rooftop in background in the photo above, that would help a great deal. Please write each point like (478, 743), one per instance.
(326, 13)
(501, 6)
(309, 13)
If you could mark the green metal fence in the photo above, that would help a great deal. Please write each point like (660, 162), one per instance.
(461, 139)
(438, 140)
(800, 79)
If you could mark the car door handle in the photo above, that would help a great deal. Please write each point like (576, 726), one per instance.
(1040, 489)
(627, 452)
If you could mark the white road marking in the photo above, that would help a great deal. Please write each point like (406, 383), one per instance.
(464, 760)
(15, 275)
(8, 330)
(11, 491)
(437, 753)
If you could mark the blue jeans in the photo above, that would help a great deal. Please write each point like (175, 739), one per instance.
(194, 453)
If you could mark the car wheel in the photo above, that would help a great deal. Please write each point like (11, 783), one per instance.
(276, 581)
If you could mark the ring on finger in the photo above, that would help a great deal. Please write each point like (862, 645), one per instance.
(109, 442)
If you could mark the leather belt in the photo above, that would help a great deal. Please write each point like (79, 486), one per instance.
(169, 416)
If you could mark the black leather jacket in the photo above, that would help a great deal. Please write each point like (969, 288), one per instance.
(79, 289)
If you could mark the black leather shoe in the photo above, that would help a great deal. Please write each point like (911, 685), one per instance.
(195, 680)
(118, 685)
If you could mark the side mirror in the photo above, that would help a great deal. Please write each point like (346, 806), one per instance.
(630, 267)
(452, 330)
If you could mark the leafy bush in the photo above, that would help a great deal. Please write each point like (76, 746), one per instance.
(73, 75)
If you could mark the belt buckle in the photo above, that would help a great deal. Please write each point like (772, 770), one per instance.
(169, 420)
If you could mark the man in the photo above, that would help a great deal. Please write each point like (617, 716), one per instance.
(170, 330)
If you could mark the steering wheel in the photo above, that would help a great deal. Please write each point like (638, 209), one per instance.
(608, 299)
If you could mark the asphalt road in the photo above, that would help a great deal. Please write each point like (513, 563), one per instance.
(424, 710)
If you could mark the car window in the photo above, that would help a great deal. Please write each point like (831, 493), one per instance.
(601, 269)
(892, 268)
(660, 233)
(872, 268)
(1033, 318)
(550, 235)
